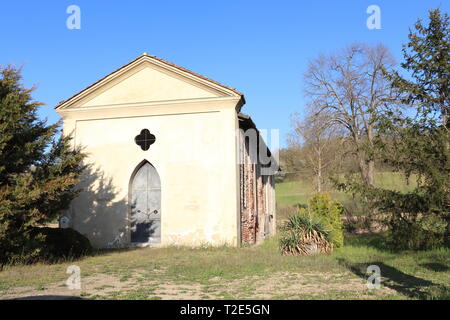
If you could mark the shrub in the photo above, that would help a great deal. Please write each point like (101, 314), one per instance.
(321, 205)
(426, 232)
(305, 234)
(357, 215)
(51, 245)
(39, 168)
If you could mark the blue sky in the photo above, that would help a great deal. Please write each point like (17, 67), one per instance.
(260, 47)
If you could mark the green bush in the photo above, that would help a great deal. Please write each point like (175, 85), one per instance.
(52, 245)
(321, 206)
(62, 243)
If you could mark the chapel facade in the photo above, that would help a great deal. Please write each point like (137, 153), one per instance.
(170, 158)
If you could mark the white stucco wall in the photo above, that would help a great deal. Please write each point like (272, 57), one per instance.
(194, 154)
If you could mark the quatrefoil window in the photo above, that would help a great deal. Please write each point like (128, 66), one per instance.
(145, 139)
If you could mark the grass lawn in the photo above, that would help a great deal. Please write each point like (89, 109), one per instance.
(298, 192)
(239, 273)
(259, 272)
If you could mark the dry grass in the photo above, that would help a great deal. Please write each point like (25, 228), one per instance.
(241, 273)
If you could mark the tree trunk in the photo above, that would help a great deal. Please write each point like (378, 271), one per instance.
(370, 162)
(319, 172)
(367, 170)
(371, 173)
(319, 181)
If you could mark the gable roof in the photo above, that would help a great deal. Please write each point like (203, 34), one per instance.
(245, 123)
(147, 57)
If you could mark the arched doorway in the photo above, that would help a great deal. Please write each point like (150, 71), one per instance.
(145, 196)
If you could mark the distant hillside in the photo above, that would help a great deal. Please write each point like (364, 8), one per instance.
(298, 192)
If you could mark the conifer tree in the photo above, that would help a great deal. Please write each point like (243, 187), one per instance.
(418, 145)
(38, 170)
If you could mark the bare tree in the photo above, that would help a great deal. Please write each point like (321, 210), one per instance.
(321, 145)
(351, 88)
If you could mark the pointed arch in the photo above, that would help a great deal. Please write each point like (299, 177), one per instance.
(139, 166)
(145, 204)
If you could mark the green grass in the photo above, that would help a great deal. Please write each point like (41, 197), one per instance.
(298, 192)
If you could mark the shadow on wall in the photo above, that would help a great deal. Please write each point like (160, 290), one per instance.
(97, 214)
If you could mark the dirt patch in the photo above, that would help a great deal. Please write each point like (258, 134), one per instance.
(281, 285)
(171, 291)
(92, 284)
(295, 285)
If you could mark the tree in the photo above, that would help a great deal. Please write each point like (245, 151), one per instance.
(351, 87)
(320, 144)
(427, 59)
(418, 145)
(38, 172)
(290, 167)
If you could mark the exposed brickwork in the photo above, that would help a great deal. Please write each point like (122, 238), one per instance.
(256, 197)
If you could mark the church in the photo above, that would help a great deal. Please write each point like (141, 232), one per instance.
(170, 160)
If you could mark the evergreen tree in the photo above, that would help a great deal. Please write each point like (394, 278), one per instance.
(419, 145)
(427, 58)
(38, 172)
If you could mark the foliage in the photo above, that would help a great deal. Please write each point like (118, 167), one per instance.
(52, 245)
(419, 219)
(289, 164)
(427, 59)
(316, 228)
(38, 172)
(61, 243)
(357, 215)
(305, 234)
(321, 206)
(421, 232)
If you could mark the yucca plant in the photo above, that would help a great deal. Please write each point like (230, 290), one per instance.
(304, 234)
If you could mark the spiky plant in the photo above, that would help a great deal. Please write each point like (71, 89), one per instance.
(304, 234)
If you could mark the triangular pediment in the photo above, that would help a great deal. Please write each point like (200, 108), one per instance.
(147, 79)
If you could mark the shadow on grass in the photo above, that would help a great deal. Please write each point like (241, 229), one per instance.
(67, 259)
(96, 252)
(408, 285)
(435, 266)
(374, 240)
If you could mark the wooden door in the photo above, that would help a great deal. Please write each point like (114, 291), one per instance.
(146, 205)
